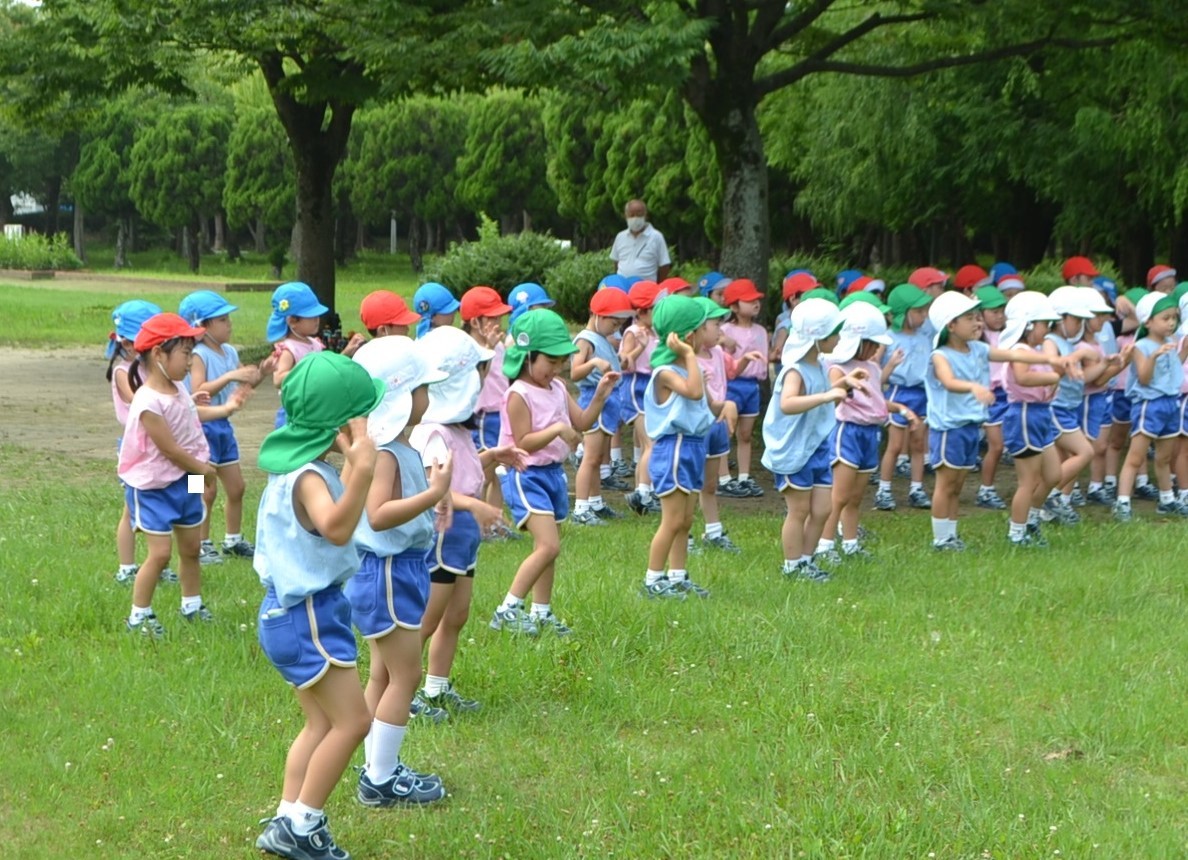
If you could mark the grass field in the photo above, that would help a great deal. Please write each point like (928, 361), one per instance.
(985, 705)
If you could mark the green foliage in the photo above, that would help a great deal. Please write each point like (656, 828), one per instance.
(36, 252)
(498, 261)
(259, 180)
(101, 181)
(572, 281)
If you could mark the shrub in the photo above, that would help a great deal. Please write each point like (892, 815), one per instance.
(35, 251)
(573, 280)
(497, 261)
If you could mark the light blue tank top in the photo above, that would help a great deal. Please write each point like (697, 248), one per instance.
(1168, 375)
(602, 349)
(218, 362)
(677, 414)
(1107, 339)
(417, 533)
(294, 562)
(917, 354)
(1070, 393)
(790, 440)
(950, 409)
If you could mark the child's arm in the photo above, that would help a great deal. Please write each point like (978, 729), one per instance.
(284, 363)
(743, 363)
(792, 402)
(158, 430)
(1029, 378)
(123, 386)
(386, 507)
(583, 419)
(247, 374)
(584, 362)
(945, 376)
(336, 521)
(1183, 349)
(531, 441)
(234, 403)
(691, 387)
(777, 344)
(1144, 365)
(630, 349)
(893, 361)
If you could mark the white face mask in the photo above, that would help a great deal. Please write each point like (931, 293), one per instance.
(636, 223)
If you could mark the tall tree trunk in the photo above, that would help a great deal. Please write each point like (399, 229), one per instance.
(414, 244)
(121, 248)
(220, 233)
(53, 208)
(205, 235)
(131, 234)
(360, 237)
(193, 232)
(80, 246)
(5, 206)
(231, 242)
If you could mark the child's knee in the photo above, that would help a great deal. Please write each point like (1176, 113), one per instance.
(455, 617)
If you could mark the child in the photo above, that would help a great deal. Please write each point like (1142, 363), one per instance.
(1156, 374)
(595, 357)
(796, 284)
(712, 286)
(540, 417)
(635, 354)
(293, 327)
(216, 370)
(1116, 445)
(796, 432)
(992, 303)
(389, 592)
(163, 445)
(443, 432)
(304, 554)
(526, 297)
(854, 441)
(384, 313)
(740, 336)
(127, 319)
(905, 365)
(1098, 414)
(436, 305)
(678, 417)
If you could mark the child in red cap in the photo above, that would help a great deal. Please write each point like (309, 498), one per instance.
(742, 336)
(635, 354)
(384, 313)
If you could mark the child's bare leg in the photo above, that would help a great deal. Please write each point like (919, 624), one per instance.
(1027, 469)
(744, 433)
(792, 536)
(851, 511)
(1047, 477)
(946, 494)
(1135, 462)
(1164, 448)
(126, 539)
(188, 570)
(1076, 452)
(673, 530)
(820, 501)
(917, 448)
(843, 489)
(444, 644)
(587, 482)
(377, 678)
(159, 549)
(1181, 461)
(210, 492)
(232, 478)
(895, 443)
(546, 546)
(1116, 446)
(993, 454)
(1097, 466)
(335, 700)
(685, 505)
(706, 496)
(400, 652)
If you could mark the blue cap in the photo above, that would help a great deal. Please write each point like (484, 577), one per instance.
(203, 305)
(1107, 286)
(1000, 269)
(711, 281)
(846, 278)
(127, 319)
(431, 299)
(293, 299)
(524, 297)
(615, 282)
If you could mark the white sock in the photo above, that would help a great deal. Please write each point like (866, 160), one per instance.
(1111, 480)
(305, 818)
(512, 602)
(129, 568)
(940, 530)
(595, 502)
(723, 479)
(849, 547)
(743, 476)
(1066, 498)
(713, 530)
(653, 576)
(191, 604)
(789, 565)
(678, 575)
(806, 559)
(232, 539)
(952, 528)
(542, 610)
(1142, 480)
(580, 506)
(643, 489)
(386, 740)
(283, 808)
(435, 685)
(1094, 486)
(604, 472)
(1033, 516)
(1124, 501)
(1183, 495)
(1016, 531)
(638, 452)
(884, 486)
(139, 613)
(616, 455)
(1166, 497)
(916, 485)
(985, 489)
(902, 458)
(824, 546)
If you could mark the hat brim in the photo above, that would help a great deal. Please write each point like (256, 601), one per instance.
(795, 348)
(749, 297)
(293, 445)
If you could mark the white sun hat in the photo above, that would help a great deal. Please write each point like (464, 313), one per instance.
(1068, 300)
(402, 366)
(1092, 301)
(1021, 311)
(810, 321)
(458, 355)
(946, 308)
(860, 321)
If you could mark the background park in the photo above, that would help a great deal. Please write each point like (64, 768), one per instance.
(996, 706)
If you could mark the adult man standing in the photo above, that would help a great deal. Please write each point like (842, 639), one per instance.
(640, 251)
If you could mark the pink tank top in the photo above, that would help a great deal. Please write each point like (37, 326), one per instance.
(713, 370)
(864, 407)
(299, 348)
(1017, 393)
(142, 465)
(752, 338)
(436, 440)
(1095, 389)
(643, 363)
(546, 406)
(997, 368)
(121, 408)
(1119, 382)
(494, 388)
(1184, 383)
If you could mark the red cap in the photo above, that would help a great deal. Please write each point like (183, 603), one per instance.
(672, 286)
(1157, 273)
(1075, 266)
(799, 284)
(968, 277)
(643, 294)
(1011, 281)
(610, 303)
(858, 285)
(385, 308)
(926, 277)
(162, 327)
(741, 290)
(482, 302)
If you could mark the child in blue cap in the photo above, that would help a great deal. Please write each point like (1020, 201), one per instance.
(436, 306)
(525, 297)
(293, 327)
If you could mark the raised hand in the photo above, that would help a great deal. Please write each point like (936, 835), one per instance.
(356, 446)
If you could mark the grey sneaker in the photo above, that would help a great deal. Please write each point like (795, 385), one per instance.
(990, 499)
(404, 787)
(450, 700)
(1028, 541)
(859, 554)
(199, 614)
(903, 469)
(207, 554)
(614, 482)
(1173, 508)
(1078, 498)
(829, 557)
(278, 838)
(623, 468)
(606, 512)
(126, 577)
(919, 499)
(167, 576)
(884, 501)
(806, 571)
(1101, 497)
(662, 589)
(513, 620)
(692, 547)
(239, 549)
(637, 502)
(586, 518)
(551, 622)
(1147, 491)
(424, 712)
(732, 489)
(690, 588)
(1061, 513)
(1036, 535)
(752, 487)
(721, 542)
(148, 626)
(951, 544)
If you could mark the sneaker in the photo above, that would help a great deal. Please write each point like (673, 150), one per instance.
(623, 468)
(168, 576)
(1006, 458)
(919, 499)
(148, 626)
(127, 577)
(199, 614)
(652, 504)
(689, 587)
(990, 499)
(1077, 499)
(808, 572)
(859, 554)
(829, 556)
(752, 487)
(864, 535)
(721, 542)
(662, 589)
(404, 787)
(1172, 508)
(605, 512)
(450, 700)
(551, 622)
(615, 483)
(692, 547)
(239, 549)
(513, 620)
(586, 518)
(1101, 497)
(502, 531)
(574, 460)
(207, 554)
(278, 838)
(423, 712)
(951, 544)
(636, 502)
(1061, 513)
(1028, 541)
(873, 480)
(732, 489)
(884, 501)
(1149, 492)
(904, 469)
(1036, 535)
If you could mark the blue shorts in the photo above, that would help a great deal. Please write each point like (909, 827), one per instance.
(305, 640)
(633, 389)
(956, 448)
(1095, 413)
(487, 434)
(1158, 418)
(743, 392)
(677, 464)
(1066, 420)
(536, 490)
(220, 436)
(998, 410)
(1121, 407)
(160, 511)
(456, 551)
(817, 472)
(608, 420)
(914, 397)
(717, 443)
(388, 592)
(1028, 427)
(281, 419)
(855, 445)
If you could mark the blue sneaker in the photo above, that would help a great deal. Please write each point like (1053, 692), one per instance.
(662, 589)
(239, 549)
(689, 588)
(199, 614)
(450, 699)
(278, 838)
(514, 620)
(1122, 512)
(402, 788)
(424, 712)
(549, 621)
(1148, 492)
(148, 626)
(721, 542)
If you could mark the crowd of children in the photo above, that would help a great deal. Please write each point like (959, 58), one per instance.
(462, 435)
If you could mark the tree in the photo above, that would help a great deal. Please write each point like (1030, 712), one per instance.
(258, 191)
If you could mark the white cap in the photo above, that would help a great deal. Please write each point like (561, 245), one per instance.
(1069, 300)
(876, 285)
(1011, 282)
(1021, 311)
(809, 322)
(946, 308)
(860, 321)
(458, 355)
(1093, 301)
(401, 366)
(1145, 306)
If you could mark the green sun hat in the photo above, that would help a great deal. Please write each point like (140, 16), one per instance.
(680, 314)
(1134, 295)
(990, 298)
(1150, 307)
(904, 298)
(713, 310)
(322, 392)
(538, 330)
(866, 298)
(822, 293)
(1180, 291)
